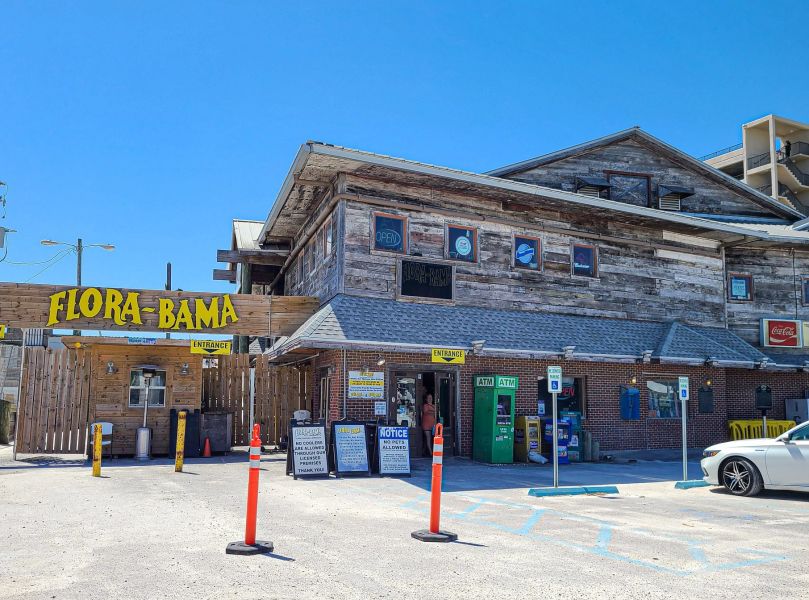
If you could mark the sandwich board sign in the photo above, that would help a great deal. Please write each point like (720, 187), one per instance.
(307, 450)
(350, 442)
(393, 450)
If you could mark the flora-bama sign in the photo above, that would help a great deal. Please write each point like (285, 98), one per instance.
(61, 307)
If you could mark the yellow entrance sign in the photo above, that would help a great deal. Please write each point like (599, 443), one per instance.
(2, 332)
(209, 347)
(449, 356)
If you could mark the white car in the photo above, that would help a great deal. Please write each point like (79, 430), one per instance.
(744, 467)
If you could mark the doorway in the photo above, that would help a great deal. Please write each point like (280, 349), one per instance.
(410, 391)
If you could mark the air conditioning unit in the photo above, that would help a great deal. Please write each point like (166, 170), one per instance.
(797, 410)
(669, 202)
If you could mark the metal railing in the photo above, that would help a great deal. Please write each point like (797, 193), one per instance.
(758, 160)
(795, 149)
(720, 152)
(802, 177)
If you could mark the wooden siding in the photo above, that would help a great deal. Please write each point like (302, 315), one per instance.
(635, 279)
(777, 278)
(322, 282)
(632, 157)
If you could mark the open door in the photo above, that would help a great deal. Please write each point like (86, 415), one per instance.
(445, 401)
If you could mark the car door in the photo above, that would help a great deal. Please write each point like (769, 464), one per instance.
(788, 461)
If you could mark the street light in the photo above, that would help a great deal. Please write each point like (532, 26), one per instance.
(78, 248)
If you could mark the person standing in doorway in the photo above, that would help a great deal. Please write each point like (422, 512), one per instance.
(428, 420)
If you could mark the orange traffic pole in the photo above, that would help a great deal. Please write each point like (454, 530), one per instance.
(434, 534)
(250, 545)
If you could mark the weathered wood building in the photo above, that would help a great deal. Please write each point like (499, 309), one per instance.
(627, 260)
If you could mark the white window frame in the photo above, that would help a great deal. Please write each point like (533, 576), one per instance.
(143, 387)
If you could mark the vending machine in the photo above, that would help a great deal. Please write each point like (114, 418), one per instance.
(493, 429)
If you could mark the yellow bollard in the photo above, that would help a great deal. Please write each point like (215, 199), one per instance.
(180, 451)
(97, 451)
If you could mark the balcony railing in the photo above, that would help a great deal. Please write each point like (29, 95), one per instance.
(720, 152)
(758, 160)
(795, 149)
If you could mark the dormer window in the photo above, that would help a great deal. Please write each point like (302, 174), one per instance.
(669, 197)
(589, 185)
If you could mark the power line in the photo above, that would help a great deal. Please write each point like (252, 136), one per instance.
(31, 264)
(63, 255)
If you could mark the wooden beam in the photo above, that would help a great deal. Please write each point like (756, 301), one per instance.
(224, 275)
(256, 257)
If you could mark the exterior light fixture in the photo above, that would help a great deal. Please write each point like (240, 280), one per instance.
(568, 351)
(184, 370)
(711, 361)
(633, 380)
(763, 363)
(111, 368)
(646, 356)
(477, 346)
(380, 361)
(708, 383)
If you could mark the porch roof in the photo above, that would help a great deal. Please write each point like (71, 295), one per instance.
(378, 324)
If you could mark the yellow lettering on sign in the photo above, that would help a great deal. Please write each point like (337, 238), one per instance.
(448, 356)
(165, 314)
(2, 331)
(112, 306)
(228, 312)
(72, 315)
(131, 308)
(90, 303)
(207, 316)
(57, 304)
(184, 316)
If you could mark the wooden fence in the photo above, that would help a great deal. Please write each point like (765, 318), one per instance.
(279, 391)
(53, 408)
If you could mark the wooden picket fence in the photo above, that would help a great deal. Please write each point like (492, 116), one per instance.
(54, 402)
(279, 391)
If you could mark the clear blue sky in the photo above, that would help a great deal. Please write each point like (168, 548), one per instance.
(151, 125)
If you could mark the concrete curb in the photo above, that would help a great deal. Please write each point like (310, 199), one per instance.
(573, 491)
(691, 483)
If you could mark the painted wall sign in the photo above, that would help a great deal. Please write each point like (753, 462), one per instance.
(366, 384)
(309, 450)
(350, 447)
(394, 450)
(35, 306)
(781, 333)
(208, 347)
(421, 279)
(449, 356)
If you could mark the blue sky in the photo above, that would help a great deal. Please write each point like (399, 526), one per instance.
(151, 125)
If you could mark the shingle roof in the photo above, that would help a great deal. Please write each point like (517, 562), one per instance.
(350, 320)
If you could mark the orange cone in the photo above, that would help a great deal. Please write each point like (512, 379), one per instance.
(206, 451)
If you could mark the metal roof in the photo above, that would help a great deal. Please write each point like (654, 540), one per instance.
(246, 234)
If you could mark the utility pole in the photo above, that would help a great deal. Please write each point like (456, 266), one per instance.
(168, 288)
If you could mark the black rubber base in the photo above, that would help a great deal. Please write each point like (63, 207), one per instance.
(243, 549)
(425, 535)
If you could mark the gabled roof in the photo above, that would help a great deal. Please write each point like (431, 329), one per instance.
(641, 136)
(366, 323)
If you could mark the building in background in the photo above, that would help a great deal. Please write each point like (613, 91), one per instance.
(773, 158)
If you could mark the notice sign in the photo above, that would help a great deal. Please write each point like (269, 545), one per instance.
(209, 347)
(308, 448)
(394, 450)
(350, 447)
(366, 384)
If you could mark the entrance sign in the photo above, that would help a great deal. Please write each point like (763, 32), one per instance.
(554, 380)
(366, 384)
(208, 347)
(37, 306)
(781, 333)
(350, 448)
(449, 356)
(308, 450)
(394, 450)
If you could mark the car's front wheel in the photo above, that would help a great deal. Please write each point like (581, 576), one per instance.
(741, 478)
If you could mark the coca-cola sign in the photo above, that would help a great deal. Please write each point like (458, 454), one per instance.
(781, 333)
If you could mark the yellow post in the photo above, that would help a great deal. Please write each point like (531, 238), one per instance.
(97, 451)
(180, 451)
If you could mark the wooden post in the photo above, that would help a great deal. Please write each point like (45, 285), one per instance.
(97, 450)
(180, 450)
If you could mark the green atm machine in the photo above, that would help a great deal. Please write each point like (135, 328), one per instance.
(493, 433)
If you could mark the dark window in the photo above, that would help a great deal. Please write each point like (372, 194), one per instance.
(426, 280)
(740, 287)
(631, 189)
(390, 233)
(527, 252)
(327, 239)
(663, 401)
(584, 261)
(805, 291)
(462, 243)
(570, 399)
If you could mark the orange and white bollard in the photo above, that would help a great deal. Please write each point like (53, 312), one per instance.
(250, 545)
(434, 534)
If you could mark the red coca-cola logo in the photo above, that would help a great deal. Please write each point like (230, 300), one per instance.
(782, 333)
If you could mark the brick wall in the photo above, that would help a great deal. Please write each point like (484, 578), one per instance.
(733, 395)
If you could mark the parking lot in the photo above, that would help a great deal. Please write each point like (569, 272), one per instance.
(143, 531)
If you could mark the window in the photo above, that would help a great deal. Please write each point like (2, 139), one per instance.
(572, 398)
(801, 434)
(332, 235)
(527, 252)
(663, 401)
(327, 240)
(740, 287)
(462, 243)
(390, 233)
(630, 188)
(301, 267)
(137, 388)
(311, 255)
(583, 260)
(805, 291)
